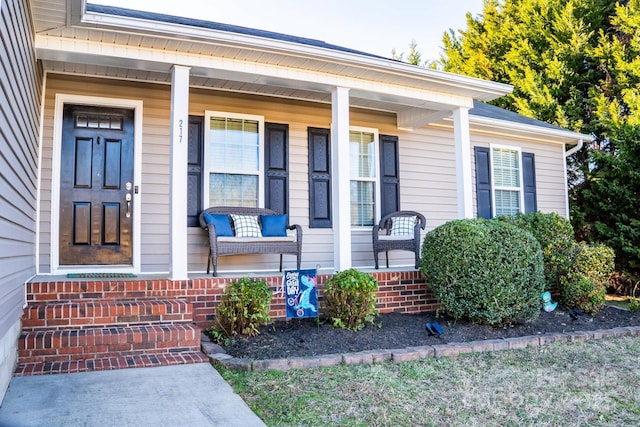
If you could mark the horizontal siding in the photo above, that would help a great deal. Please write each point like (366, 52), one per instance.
(549, 158)
(154, 187)
(20, 92)
(317, 243)
(427, 171)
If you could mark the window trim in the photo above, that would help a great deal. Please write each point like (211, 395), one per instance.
(495, 187)
(207, 169)
(375, 180)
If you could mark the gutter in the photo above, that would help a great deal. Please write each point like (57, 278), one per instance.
(530, 128)
(574, 149)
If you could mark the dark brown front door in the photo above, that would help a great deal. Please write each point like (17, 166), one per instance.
(96, 186)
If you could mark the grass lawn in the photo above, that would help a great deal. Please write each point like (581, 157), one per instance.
(593, 383)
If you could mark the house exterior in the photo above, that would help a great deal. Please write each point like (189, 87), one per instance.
(120, 126)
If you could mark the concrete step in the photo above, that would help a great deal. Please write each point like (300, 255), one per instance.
(102, 312)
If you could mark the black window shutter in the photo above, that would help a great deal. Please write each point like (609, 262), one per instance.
(483, 182)
(389, 175)
(276, 160)
(319, 178)
(194, 170)
(529, 182)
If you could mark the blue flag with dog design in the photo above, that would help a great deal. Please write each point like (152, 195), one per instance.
(300, 292)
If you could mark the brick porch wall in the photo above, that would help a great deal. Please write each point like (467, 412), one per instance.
(404, 292)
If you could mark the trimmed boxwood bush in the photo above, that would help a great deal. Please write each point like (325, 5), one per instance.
(584, 286)
(244, 306)
(486, 271)
(556, 237)
(350, 299)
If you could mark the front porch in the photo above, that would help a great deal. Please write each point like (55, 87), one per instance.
(75, 325)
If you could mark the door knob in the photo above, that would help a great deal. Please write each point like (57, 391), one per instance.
(127, 198)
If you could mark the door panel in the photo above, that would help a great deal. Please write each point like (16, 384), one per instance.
(96, 204)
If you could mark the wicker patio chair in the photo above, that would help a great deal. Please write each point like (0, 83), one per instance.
(220, 246)
(405, 236)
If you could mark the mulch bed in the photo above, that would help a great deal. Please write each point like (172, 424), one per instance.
(307, 337)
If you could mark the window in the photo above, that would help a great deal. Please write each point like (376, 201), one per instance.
(363, 172)
(234, 160)
(507, 180)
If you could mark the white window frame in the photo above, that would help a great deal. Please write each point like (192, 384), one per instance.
(495, 187)
(208, 170)
(375, 180)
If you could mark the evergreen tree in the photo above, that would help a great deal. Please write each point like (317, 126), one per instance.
(576, 64)
(414, 57)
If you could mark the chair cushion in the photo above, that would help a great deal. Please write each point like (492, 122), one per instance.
(403, 226)
(389, 238)
(221, 222)
(265, 240)
(246, 225)
(274, 225)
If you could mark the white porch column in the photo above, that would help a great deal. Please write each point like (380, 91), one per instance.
(178, 172)
(341, 205)
(463, 162)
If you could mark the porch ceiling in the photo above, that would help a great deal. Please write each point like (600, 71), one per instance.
(276, 89)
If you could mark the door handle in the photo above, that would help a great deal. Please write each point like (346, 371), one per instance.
(127, 198)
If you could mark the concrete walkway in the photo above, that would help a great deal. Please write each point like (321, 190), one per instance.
(182, 395)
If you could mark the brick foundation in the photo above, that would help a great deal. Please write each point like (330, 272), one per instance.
(405, 292)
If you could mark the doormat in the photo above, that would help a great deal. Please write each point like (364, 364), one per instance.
(99, 275)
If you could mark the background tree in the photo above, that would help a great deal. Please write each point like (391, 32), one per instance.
(576, 64)
(414, 57)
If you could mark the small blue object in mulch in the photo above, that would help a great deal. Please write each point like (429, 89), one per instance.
(434, 329)
(99, 275)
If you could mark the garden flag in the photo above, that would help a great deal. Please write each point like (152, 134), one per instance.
(300, 293)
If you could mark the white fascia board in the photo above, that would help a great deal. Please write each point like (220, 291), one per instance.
(86, 51)
(489, 90)
(504, 127)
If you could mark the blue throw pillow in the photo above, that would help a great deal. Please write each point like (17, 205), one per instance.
(221, 222)
(274, 225)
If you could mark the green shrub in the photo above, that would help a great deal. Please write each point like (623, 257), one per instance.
(484, 270)
(244, 306)
(555, 235)
(634, 305)
(350, 299)
(584, 286)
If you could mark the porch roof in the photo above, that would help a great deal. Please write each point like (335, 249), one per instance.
(81, 38)
(77, 37)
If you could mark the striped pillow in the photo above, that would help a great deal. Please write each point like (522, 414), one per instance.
(403, 226)
(246, 225)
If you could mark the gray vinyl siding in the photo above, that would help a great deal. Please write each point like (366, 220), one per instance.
(20, 87)
(154, 187)
(427, 171)
(550, 163)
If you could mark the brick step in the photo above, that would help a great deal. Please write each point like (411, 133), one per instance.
(113, 289)
(107, 363)
(64, 345)
(101, 312)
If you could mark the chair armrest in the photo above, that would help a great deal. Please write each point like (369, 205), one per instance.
(298, 229)
(211, 228)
